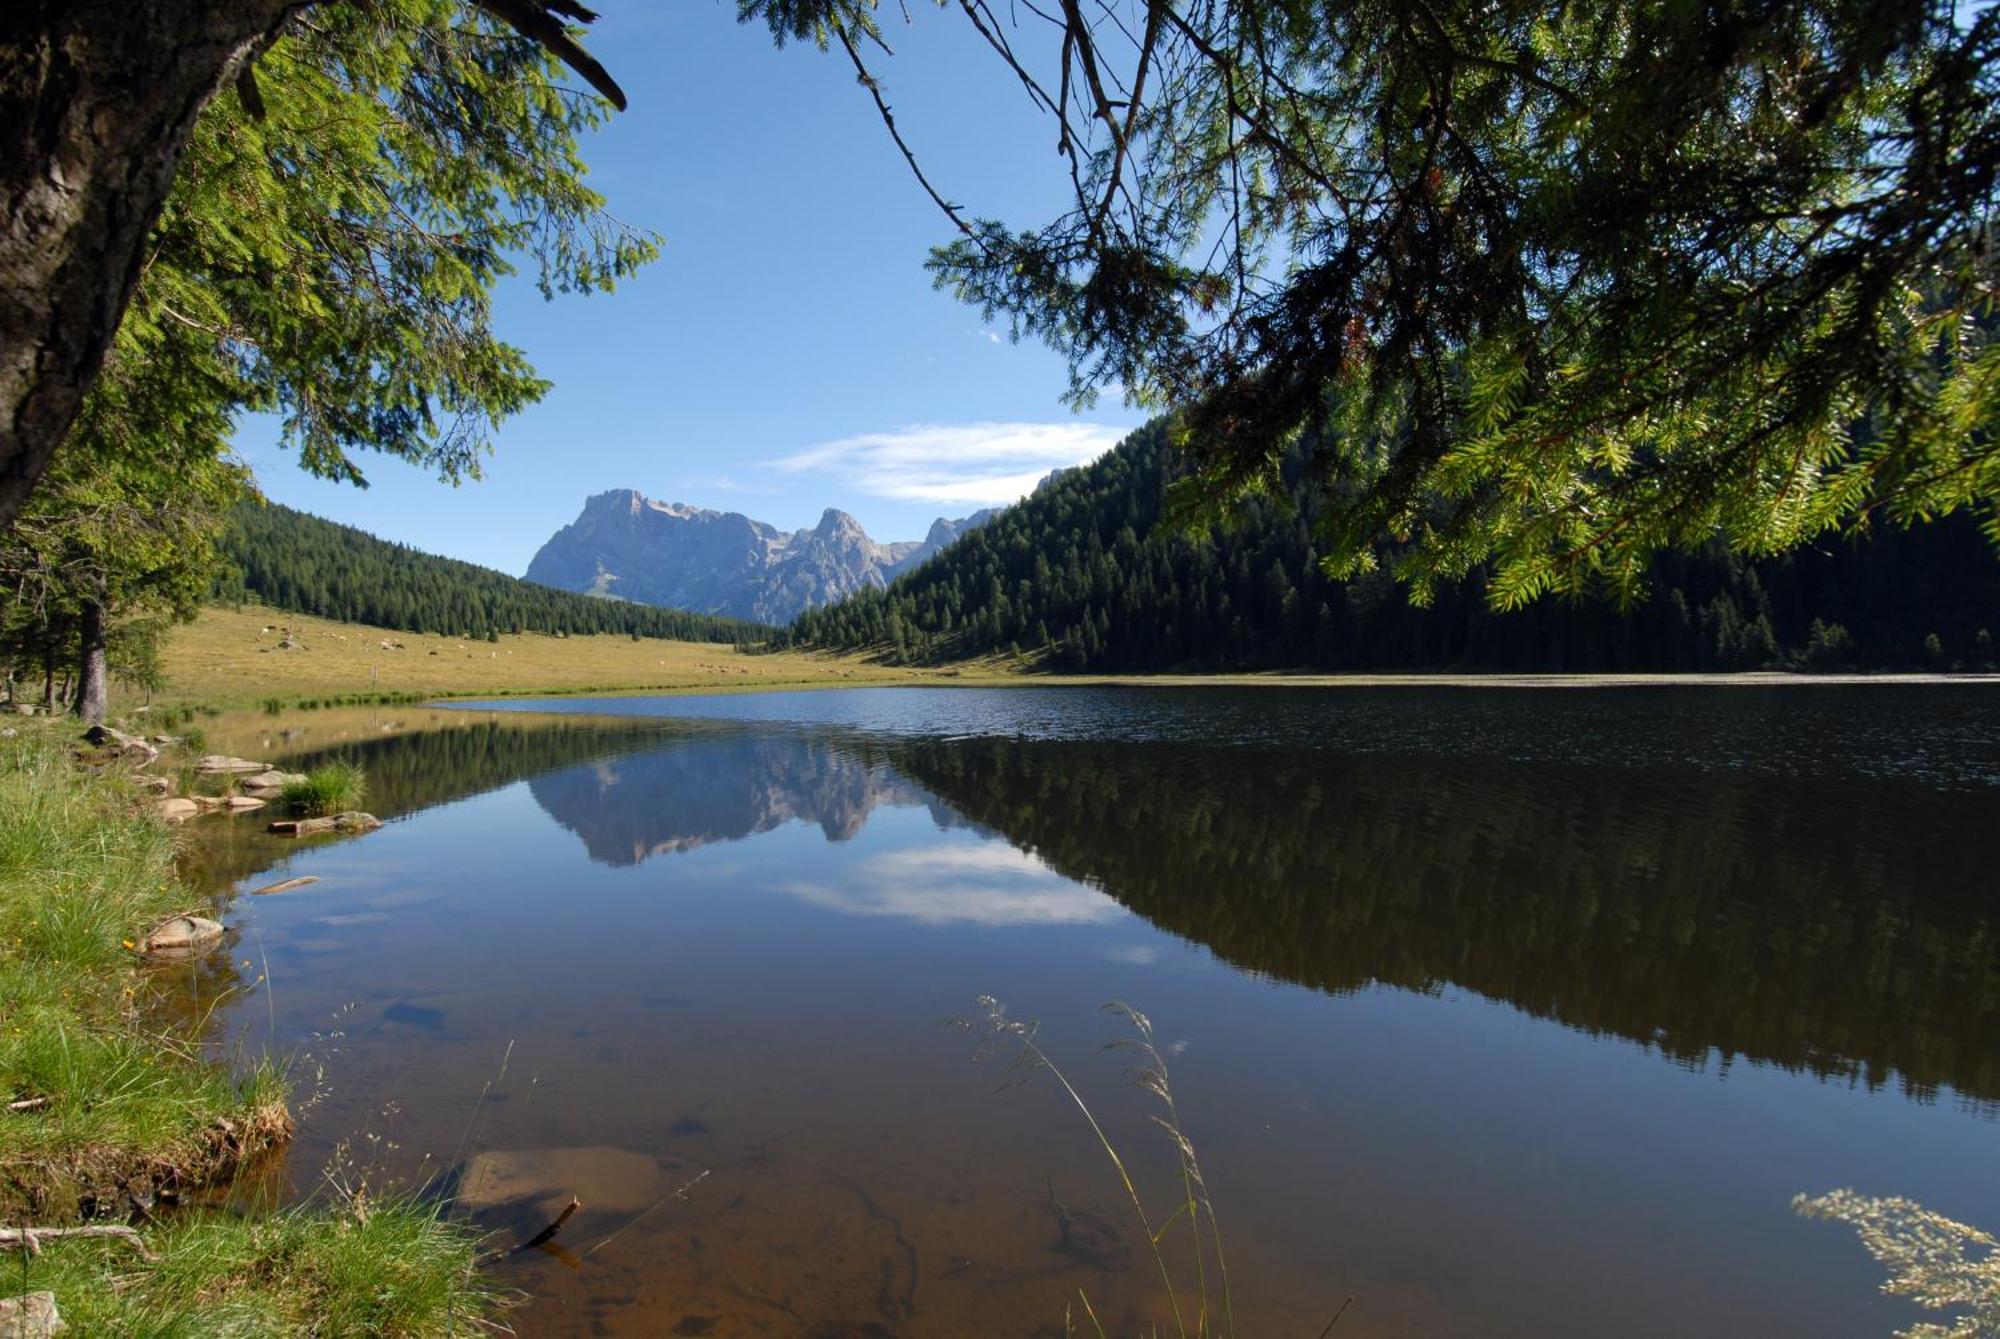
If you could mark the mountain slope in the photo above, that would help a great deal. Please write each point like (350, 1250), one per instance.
(624, 544)
(294, 561)
(1084, 569)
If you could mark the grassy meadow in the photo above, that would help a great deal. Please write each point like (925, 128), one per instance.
(232, 657)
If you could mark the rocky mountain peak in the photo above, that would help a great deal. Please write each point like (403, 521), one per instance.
(627, 546)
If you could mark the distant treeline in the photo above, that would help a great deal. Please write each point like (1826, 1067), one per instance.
(1084, 572)
(293, 561)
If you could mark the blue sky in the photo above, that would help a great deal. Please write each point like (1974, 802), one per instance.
(786, 353)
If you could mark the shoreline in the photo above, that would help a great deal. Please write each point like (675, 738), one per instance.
(253, 657)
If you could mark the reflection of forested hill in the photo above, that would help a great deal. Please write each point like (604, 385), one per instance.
(1838, 927)
(414, 769)
(718, 787)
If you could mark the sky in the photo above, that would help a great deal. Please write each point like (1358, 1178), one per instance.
(787, 352)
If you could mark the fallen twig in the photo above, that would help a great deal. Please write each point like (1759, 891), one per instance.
(541, 1238)
(30, 1239)
(548, 1233)
(1336, 1316)
(28, 1104)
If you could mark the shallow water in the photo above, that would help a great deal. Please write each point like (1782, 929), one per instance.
(1506, 1013)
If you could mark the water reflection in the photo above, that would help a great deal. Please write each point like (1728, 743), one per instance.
(721, 785)
(1820, 926)
(975, 885)
(724, 946)
(1817, 925)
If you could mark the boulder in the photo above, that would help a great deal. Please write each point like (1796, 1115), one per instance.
(30, 1316)
(175, 810)
(243, 804)
(129, 746)
(179, 936)
(270, 779)
(216, 764)
(346, 824)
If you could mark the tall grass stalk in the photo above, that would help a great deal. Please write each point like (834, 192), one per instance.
(1214, 1318)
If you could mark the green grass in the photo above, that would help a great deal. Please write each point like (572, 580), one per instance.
(83, 873)
(399, 1269)
(124, 1102)
(335, 788)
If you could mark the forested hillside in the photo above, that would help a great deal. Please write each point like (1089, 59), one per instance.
(290, 560)
(1084, 570)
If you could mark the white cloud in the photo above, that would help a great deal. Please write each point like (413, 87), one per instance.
(989, 884)
(982, 464)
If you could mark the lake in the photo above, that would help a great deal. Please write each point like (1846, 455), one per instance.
(1501, 1012)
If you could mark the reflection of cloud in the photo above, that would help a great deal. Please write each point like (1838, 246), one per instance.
(989, 884)
(1139, 955)
(987, 464)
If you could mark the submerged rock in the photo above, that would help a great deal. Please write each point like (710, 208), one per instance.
(178, 936)
(285, 885)
(215, 764)
(604, 1178)
(347, 823)
(30, 1316)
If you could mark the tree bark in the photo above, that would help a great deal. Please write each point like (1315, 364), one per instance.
(93, 692)
(97, 100)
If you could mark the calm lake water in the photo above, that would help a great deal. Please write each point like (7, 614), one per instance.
(1503, 1012)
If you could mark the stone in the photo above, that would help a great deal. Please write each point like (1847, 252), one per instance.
(178, 936)
(9, 733)
(285, 885)
(215, 764)
(175, 810)
(30, 1316)
(129, 746)
(346, 824)
(208, 804)
(615, 1180)
(243, 804)
(270, 779)
(159, 785)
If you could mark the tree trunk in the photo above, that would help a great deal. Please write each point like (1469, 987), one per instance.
(92, 692)
(48, 679)
(97, 100)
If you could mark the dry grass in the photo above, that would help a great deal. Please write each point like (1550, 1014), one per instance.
(226, 657)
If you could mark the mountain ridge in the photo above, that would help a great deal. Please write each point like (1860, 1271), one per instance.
(628, 546)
